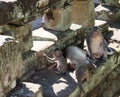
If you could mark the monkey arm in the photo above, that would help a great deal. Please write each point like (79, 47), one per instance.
(88, 40)
(51, 60)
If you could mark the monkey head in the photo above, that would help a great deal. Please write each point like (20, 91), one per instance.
(57, 53)
(95, 31)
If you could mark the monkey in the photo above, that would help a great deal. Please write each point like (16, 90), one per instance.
(76, 57)
(96, 44)
(82, 74)
(59, 59)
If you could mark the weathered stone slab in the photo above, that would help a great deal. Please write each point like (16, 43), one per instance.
(107, 13)
(22, 11)
(109, 86)
(23, 34)
(83, 12)
(115, 3)
(113, 37)
(103, 24)
(30, 64)
(27, 89)
(10, 64)
(61, 19)
(74, 35)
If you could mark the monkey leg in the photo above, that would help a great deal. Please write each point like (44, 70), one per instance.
(52, 66)
(87, 75)
(105, 55)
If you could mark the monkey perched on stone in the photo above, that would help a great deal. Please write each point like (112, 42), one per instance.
(76, 57)
(96, 44)
(60, 61)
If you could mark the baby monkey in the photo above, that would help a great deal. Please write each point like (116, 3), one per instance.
(97, 46)
(59, 60)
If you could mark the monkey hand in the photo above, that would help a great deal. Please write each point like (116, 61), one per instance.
(44, 54)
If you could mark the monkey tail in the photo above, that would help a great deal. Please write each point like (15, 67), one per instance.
(81, 87)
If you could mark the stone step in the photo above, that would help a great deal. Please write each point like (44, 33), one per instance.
(103, 24)
(113, 36)
(107, 13)
(27, 89)
(115, 3)
(46, 38)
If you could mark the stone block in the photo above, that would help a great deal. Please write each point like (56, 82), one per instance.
(109, 86)
(60, 19)
(103, 24)
(30, 64)
(23, 34)
(83, 13)
(10, 63)
(107, 13)
(19, 12)
(115, 3)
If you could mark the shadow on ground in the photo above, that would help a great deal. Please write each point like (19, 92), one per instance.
(54, 85)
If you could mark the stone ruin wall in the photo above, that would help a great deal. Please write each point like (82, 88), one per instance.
(15, 18)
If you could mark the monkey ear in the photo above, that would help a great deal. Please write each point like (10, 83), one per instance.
(96, 28)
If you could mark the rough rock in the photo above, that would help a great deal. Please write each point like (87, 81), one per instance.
(10, 63)
(103, 24)
(109, 86)
(23, 34)
(107, 13)
(19, 12)
(83, 13)
(61, 19)
(115, 3)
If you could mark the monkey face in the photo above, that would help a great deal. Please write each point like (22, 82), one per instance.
(57, 53)
(95, 33)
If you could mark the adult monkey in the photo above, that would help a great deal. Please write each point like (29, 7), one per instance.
(97, 46)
